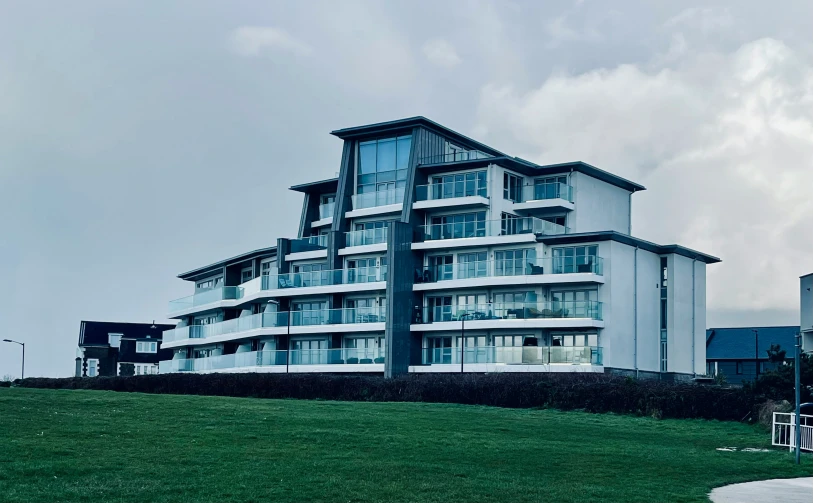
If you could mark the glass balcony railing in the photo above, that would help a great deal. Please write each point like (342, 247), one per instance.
(309, 243)
(542, 191)
(206, 297)
(449, 190)
(340, 316)
(326, 210)
(324, 278)
(510, 267)
(338, 356)
(514, 310)
(458, 155)
(514, 355)
(366, 237)
(233, 326)
(483, 228)
(378, 198)
(279, 319)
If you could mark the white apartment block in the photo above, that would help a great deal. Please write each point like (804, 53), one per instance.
(432, 252)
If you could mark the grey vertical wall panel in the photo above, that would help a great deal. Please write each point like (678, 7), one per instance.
(346, 185)
(400, 343)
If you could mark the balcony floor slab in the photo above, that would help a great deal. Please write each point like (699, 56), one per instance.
(504, 367)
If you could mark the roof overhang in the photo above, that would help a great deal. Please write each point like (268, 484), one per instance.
(212, 268)
(320, 187)
(405, 126)
(528, 168)
(628, 240)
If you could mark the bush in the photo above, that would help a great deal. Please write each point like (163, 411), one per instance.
(5, 384)
(588, 392)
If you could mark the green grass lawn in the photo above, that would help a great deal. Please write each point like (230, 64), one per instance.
(108, 447)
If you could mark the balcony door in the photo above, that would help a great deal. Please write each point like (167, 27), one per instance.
(309, 352)
(440, 350)
(574, 304)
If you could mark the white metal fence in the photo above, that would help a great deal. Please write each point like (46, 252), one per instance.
(784, 430)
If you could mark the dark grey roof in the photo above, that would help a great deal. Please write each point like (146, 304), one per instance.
(806, 275)
(740, 343)
(530, 169)
(262, 252)
(322, 186)
(94, 333)
(405, 125)
(582, 237)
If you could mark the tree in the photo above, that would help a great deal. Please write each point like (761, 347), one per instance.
(778, 384)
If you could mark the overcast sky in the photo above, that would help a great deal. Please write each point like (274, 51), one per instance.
(139, 140)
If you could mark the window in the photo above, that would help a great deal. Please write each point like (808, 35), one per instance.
(459, 185)
(556, 219)
(309, 313)
(516, 262)
(209, 283)
(441, 267)
(551, 188)
(383, 164)
(575, 340)
(309, 352)
(439, 350)
(247, 274)
(146, 347)
(465, 225)
(440, 309)
(145, 369)
(570, 259)
(739, 368)
(266, 267)
(511, 187)
(473, 305)
(711, 368)
(512, 304)
(663, 293)
(366, 270)
(93, 367)
(472, 265)
(310, 275)
(114, 340)
(574, 304)
(511, 225)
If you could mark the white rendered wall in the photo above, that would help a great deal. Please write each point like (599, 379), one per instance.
(618, 294)
(683, 336)
(600, 206)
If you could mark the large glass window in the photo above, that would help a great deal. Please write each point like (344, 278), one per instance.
(309, 313)
(466, 225)
(472, 265)
(440, 309)
(512, 187)
(441, 268)
(383, 164)
(570, 259)
(459, 185)
(574, 303)
(549, 188)
(516, 262)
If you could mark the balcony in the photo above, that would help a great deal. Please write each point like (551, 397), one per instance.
(510, 272)
(233, 326)
(364, 241)
(362, 319)
(325, 215)
(206, 297)
(377, 203)
(307, 248)
(545, 196)
(327, 281)
(515, 315)
(341, 316)
(458, 194)
(514, 355)
(512, 230)
(298, 360)
(456, 156)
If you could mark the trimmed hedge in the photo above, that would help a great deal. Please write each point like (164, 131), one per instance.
(5, 384)
(588, 392)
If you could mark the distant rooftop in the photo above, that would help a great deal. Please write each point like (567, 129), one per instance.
(739, 343)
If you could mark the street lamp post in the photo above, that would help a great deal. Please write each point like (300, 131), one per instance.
(22, 372)
(797, 385)
(756, 353)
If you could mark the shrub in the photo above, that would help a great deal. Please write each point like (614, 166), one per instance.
(588, 392)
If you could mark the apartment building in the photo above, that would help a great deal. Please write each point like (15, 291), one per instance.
(432, 252)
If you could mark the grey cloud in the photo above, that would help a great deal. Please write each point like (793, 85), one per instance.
(136, 144)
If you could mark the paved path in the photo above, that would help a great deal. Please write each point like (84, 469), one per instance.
(766, 491)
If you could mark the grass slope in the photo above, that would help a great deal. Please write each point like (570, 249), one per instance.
(115, 447)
